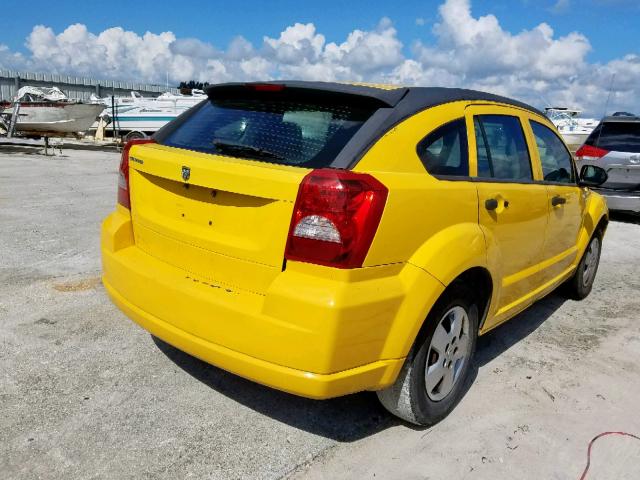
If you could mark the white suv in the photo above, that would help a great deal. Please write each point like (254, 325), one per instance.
(615, 146)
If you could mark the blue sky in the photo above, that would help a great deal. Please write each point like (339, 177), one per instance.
(612, 26)
(561, 52)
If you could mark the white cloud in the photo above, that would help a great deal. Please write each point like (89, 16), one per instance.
(368, 52)
(534, 65)
(8, 59)
(240, 49)
(297, 44)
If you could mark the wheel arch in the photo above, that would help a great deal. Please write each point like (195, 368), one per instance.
(454, 256)
(480, 283)
(602, 225)
(482, 289)
(452, 251)
(596, 219)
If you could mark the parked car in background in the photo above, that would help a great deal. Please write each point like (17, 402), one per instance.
(615, 146)
(325, 238)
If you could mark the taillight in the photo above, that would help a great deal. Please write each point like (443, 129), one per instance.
(590, 151)
(335, 218)
(124, 198)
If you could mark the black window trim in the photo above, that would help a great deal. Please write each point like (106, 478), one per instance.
(485, 140)
(571, 160)
(466, 151)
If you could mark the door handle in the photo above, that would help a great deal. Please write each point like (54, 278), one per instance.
(558, 200)
(491, 204)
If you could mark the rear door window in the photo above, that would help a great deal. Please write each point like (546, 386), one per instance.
(444, 151)
(501, 148)
(554, 156)
(616, 136)
(275, 131)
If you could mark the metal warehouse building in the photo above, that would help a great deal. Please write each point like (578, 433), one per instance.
(74, 87)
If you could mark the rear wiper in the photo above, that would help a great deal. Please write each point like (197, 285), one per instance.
(223, 145)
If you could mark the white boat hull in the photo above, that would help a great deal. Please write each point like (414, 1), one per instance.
(574, 140)
(141, 114)
(142, 123)
(56, 118)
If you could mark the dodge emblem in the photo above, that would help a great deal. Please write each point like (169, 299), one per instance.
(186, 173)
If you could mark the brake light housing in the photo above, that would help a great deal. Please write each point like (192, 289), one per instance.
(591, 152)
(265, 87)
(335, 218)
(124, 197)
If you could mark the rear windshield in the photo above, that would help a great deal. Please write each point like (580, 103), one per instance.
(616, 136)
(276, 131)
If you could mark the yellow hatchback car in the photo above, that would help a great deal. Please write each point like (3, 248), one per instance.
(325, 238)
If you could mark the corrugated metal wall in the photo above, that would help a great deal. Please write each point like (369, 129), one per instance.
(74, 87)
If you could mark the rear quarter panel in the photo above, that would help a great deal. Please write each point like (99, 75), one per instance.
(429, 223)
(425, 220)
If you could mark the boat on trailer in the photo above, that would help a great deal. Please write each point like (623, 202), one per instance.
(137, 116)
(47, 112)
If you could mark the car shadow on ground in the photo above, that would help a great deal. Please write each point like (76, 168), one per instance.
(497, 341)
(625, 217)
(352, 417)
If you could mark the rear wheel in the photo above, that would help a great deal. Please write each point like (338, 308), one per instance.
(433, 378)
(580, 285)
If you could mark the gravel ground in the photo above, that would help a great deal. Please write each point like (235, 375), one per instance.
(85, 393)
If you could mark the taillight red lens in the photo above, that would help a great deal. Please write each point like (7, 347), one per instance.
(591, 151)
(335, 218)
(124, 198)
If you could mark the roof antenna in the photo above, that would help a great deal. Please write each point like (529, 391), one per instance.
(606, 107)
(546, 102)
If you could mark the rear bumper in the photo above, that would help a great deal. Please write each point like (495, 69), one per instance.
(622, 201)
(307, 335)
(290, 380)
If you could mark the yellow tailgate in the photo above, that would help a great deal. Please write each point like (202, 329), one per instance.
(228, 222)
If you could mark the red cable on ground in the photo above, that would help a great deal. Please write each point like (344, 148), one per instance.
(603, 434)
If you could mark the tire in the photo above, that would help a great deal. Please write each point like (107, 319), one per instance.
(579, 286)
(134, 135)
(422, 399)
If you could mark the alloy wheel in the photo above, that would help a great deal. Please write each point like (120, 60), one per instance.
(591, 262)
(448, 353)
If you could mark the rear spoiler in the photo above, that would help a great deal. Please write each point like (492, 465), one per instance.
(369, 95)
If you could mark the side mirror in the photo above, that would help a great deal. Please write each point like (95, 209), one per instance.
(592, 176)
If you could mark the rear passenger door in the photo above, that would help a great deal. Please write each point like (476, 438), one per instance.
(565, 199)
(512, 207)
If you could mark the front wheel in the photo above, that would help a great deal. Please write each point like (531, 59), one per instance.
(433, 378)
(580, 285)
